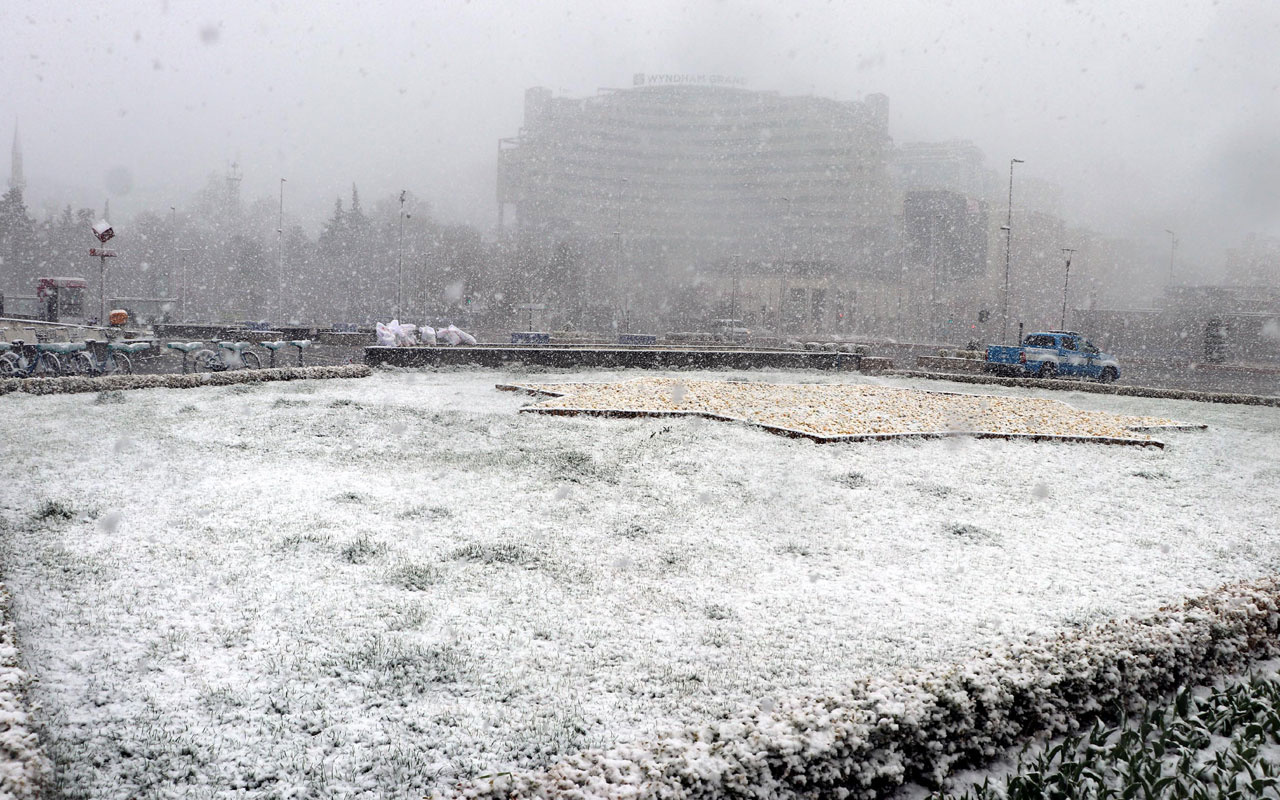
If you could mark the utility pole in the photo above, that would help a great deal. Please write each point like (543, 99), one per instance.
(1066, 278)
(1008, 246)
(1173, 252)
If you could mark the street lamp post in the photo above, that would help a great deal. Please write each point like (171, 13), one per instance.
(1173, 252)
(934, 257)
(182, 261)
(1008, 246)
(173, 243)
(400, 261)
(733, 296)
(782, 275)
(1065, 279)
(280, 254)
(617, 256)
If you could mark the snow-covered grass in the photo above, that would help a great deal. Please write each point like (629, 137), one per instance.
(384, 585)
(23, 765)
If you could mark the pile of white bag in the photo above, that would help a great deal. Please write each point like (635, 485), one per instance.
(398, 334)
(451, 335)
(395, 334)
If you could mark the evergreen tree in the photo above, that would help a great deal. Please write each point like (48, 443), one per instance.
(333, 271)
(17, 244)
(250, 265)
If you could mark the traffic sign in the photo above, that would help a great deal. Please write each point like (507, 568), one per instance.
(100, 253)
(103, 230)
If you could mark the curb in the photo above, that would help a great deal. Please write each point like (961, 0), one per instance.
(1096, 388)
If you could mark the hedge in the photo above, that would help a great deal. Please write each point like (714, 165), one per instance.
(873, 738)
(73, 384)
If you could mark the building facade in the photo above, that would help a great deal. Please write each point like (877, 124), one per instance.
(684, 194)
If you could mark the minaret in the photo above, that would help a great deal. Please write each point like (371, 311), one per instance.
(16, 179)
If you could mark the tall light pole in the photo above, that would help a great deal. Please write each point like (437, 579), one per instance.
(400, 260)
(1008, 246)
(173, 242)
(280, 253)
(617, 262)
(933, 259)
(1065, 279)
(782, 274)
(182, 261)
(733, 297)
(1173, 252)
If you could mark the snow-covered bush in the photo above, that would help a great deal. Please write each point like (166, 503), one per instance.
(868, 741)
(109, 383)
(23, 765)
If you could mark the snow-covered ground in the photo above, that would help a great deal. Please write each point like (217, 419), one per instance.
(379, 586)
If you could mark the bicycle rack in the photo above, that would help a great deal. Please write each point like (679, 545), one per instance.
(301, 344)
(186, 348)
(273, 347)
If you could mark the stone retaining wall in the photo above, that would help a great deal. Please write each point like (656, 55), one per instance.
(615, 357)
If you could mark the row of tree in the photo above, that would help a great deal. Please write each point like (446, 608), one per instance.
(224, 259)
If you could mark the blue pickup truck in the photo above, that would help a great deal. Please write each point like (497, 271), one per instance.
(1051, 355)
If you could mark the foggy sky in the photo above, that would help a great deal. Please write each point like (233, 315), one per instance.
(1151, 114)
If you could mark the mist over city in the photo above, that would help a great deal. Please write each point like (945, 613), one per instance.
(1139, 134)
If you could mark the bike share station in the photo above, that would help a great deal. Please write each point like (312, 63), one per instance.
(60, 311)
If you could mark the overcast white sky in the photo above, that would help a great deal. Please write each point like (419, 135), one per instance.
(1152, 114)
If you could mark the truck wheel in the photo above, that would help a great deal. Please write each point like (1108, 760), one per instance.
(1048, 371)
(1108, 375)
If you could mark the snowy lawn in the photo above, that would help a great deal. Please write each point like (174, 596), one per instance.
(381, 586)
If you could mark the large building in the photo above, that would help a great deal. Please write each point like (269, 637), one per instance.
(954, 166)
(683, 191)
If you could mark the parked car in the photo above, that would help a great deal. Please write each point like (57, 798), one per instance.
(730, 330)
(1053, 354)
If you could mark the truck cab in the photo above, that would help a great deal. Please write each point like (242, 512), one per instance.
(1053, 354)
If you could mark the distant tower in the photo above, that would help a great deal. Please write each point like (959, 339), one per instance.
(233, 186)
(16, 178)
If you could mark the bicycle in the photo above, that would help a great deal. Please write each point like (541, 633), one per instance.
(38, 360)
(234, 355)
(105, 358)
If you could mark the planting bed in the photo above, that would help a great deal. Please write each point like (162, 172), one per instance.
(845, 412)
(387, 586)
